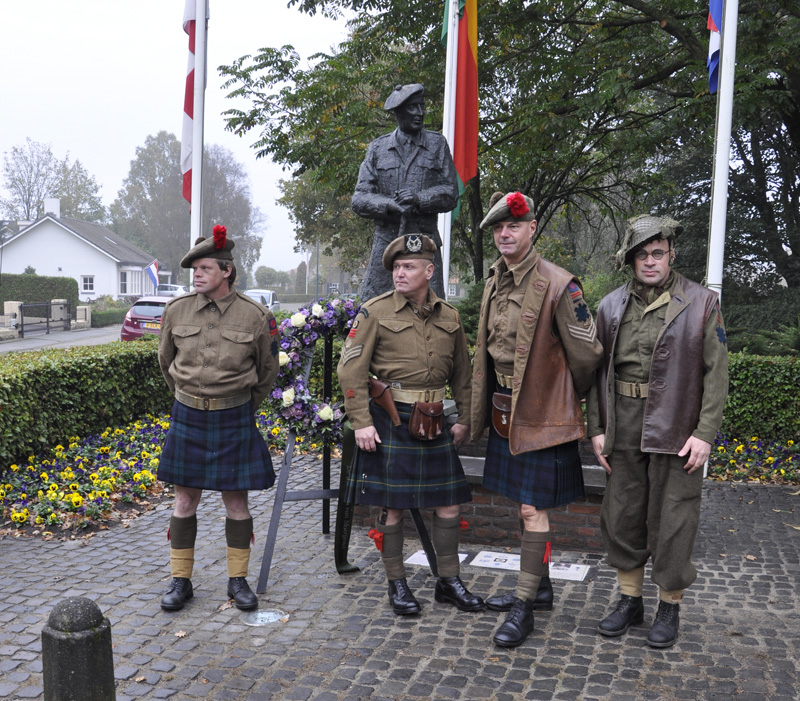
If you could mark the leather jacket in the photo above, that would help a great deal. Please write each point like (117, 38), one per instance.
(688, 379)
(545, 406)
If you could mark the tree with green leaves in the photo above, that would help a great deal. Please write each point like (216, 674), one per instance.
(582, 105)
(150, 210)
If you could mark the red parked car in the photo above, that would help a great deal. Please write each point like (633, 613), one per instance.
(144, 317)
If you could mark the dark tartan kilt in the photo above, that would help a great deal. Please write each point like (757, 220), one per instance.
(404, 473)
(218, 450)
(545, 478)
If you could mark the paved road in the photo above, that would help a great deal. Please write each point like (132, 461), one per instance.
(62, 339)
(335, 637)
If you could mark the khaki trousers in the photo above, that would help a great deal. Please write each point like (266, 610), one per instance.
(651, 508)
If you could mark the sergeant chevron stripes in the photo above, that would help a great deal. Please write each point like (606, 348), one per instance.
(583, 334)
(349, 353)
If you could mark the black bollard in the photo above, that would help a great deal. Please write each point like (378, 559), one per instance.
(77, 662)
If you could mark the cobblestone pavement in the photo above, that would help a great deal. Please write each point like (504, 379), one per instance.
(740, 635)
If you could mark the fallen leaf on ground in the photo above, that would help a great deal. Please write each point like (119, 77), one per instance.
(180, 634)
(750, 557)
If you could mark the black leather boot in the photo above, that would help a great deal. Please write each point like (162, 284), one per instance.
(664, 632)
(243, 597)
(517, 626)
(542, 602)
(451, 590)
(179, 592)
(629, 612)
(402, 600)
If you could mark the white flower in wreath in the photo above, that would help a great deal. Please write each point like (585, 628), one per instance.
(298, 320)
(283, 358)
(317, 310)
(325, 413)
(288, 397)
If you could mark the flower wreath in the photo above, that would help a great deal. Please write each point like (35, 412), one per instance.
(317, 422)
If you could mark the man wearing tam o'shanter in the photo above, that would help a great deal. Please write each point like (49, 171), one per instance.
(535, 355)
(218, 352)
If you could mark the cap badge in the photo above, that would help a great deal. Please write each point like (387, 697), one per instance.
(413, 244)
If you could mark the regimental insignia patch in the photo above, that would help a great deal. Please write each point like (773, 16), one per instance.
(350, 393)
(273, 327)
(574, 290)
(353, 328)
(274, 347)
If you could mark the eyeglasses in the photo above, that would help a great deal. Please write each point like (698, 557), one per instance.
(657, 254)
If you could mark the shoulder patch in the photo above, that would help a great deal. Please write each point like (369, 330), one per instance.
(353, 329)
(574, 290)
(273, 327)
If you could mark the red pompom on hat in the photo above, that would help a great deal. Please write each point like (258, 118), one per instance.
(517, 205)
(218, 246)
(220, 233)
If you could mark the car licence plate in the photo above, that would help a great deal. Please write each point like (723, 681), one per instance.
(151, 325)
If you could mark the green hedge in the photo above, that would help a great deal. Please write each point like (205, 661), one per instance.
(48, 396)
(37, 289)
(108, 317)
(763, 399)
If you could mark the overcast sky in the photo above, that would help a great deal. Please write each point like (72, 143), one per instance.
(95, 77)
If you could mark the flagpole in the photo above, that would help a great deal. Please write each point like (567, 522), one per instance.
(201, 30)
(448, 128)
(722, 147)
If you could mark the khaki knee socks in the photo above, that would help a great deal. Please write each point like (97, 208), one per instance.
(392, 554)
(445, 535)
(534, 563)
(238, 535)
(182, 534)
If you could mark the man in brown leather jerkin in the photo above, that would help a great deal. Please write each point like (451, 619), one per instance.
(653, 416)
(535, 355)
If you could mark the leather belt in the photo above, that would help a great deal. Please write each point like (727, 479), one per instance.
(631, 389)
(409, 396)
(506, 381)
(211, 403)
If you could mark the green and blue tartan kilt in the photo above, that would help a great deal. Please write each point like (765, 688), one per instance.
(405, 473)
(218, 450)
(546, 478)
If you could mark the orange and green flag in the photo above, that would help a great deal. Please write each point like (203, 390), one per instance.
(465, 140)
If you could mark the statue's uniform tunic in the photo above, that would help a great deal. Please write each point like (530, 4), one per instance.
(411, 348)
(393, 162)
(217, 353)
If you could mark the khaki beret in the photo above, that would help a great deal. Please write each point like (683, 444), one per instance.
(402, 93)
(219, 246)
(409, 246)
(642, 228)
(514, 205)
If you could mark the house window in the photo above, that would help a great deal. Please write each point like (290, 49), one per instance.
(452, 290)
(123, 282)
(87, 283)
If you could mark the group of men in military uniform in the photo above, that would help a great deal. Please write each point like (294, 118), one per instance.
(538, 353)
(654, 368)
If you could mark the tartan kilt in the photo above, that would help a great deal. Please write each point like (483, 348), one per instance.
(218, 450)
(546, 478)
(405, 473)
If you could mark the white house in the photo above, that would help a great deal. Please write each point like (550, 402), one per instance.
(102, 262)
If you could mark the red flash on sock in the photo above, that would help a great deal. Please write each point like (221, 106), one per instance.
(376, 536)
(546, 553)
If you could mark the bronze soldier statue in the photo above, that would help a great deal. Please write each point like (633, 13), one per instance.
(407, 179)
